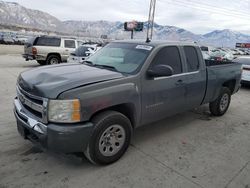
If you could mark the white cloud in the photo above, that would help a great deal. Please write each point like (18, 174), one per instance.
(194, 15)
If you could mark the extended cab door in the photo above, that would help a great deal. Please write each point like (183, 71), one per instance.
(195, 76)
(164, 96)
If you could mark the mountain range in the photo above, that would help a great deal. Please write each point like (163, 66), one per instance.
(16, 15)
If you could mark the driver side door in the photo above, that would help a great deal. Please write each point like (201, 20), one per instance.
(164, 96)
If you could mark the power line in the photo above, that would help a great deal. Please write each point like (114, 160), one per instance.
(230, 10)
(207, 8)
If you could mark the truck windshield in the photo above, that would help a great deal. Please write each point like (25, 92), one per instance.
(124, 57)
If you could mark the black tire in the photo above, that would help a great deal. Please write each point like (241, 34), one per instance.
(53, 59)
(102, 122)
(41, 62)
(220, 106)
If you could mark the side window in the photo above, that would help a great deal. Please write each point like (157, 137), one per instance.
(191, 58)
(43, 41)
(69, 44)
(169, 56)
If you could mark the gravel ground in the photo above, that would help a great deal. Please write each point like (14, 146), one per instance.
(188, 150)
(11, 49)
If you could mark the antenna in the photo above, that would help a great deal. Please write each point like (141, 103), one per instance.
(151, 17)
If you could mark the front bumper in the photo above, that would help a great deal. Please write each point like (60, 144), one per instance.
(66, 138)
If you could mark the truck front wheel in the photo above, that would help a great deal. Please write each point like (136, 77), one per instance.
(110, 139)
(220, 106)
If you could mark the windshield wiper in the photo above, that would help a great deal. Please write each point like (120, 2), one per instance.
(105, 67)
(90, 63)
(86, 62)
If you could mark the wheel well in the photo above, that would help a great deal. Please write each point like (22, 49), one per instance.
(56, 54)
(230, 85)
(126, 109)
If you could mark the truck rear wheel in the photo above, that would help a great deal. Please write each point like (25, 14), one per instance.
(53, 60)
(110, 139)
(220, 106)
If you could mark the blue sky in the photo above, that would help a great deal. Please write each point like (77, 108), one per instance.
(194, 15)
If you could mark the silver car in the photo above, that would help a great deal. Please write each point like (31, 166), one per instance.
(81, 53)
(49, 49)
(245, 61)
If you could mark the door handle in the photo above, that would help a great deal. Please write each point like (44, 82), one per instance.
(179, 82)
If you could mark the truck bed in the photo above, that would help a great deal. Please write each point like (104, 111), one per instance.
(214, 63)
(221, 74)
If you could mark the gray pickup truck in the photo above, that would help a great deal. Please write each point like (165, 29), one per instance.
(94, 106)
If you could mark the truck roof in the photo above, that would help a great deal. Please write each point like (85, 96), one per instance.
(157, 42)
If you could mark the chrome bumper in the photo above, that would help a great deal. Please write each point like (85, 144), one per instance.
(28, 121)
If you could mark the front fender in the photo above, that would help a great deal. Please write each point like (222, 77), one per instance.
(94, 98)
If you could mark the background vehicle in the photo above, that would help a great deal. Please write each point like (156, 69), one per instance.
(238, 52)
(49, 50)
(206, 55)
(20, 40)
(245, 61)
(220, 55)
(1, 39)
(82, 52)
(207, 49)
(95, 106)
(8, 40)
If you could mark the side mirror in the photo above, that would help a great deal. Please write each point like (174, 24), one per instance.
(160, 71)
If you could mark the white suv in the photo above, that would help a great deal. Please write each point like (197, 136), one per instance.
(47, 50)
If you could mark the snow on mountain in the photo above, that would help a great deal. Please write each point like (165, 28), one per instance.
(225, 38)
(93, 28)
(12, 13)
(116, 30)
(16, 15)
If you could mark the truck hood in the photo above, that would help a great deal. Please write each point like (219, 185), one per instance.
(50, 81)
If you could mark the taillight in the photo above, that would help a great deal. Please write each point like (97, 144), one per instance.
(34, 51)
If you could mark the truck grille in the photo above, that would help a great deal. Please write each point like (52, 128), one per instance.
(35, 105)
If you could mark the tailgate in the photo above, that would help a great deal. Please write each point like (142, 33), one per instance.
(28, 46)
(27, 49)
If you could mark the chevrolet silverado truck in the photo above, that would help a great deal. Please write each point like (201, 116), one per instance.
(49, 50)
(93, 107)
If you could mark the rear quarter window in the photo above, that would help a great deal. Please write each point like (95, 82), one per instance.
(192, 59)
(44, 41)
(69, 44)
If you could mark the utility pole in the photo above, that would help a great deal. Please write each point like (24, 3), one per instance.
(151, 17)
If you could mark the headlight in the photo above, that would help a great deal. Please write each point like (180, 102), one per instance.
(64, 111)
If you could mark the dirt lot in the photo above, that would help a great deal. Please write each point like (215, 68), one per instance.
(11, 49)
(189, 150)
